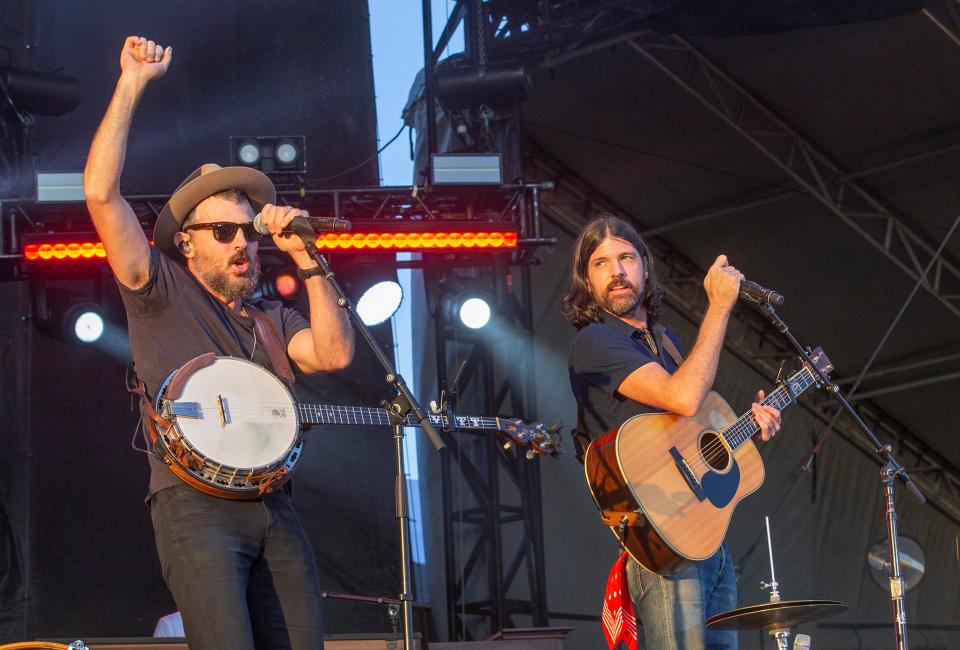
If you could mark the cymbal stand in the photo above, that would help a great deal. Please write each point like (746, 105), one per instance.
(780, 635)
(890, 472)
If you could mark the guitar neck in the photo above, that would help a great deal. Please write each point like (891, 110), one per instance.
(327, 414)
(745, 427)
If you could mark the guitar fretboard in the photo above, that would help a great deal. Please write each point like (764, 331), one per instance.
(745, 427)
(327, 414)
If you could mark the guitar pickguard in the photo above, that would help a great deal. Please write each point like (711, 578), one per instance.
(721, 488)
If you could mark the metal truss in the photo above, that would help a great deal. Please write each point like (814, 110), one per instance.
(517, 205)
(814, 172)
(500, 573)
(749, 336)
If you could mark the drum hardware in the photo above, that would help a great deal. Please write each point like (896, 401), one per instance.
(777, 616)
(891, 472)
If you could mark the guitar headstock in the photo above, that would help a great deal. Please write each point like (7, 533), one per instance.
(820, 360)
(538, 438)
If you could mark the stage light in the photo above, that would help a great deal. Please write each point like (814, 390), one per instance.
(466, 169)
(39, 93)
(418, 240)
(475, 313)
(68, 316)
(86, 323)
(270, 154)
(379, 302)
(279, 284)
(466, 304)
(249, 153)
(54, 248)
(287, 285)
(287, 153)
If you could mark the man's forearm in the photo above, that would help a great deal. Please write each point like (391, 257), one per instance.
(694, 378)
(101, 177)
(329, 326)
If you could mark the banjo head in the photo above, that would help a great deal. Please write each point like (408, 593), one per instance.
(236, 413)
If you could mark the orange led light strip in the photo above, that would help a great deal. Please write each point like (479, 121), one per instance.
(328, 241)
(64, 251)
(416, 240)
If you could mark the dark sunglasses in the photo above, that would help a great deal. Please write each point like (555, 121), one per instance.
(225, 231)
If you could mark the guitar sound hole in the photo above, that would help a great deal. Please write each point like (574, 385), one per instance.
(714, 452)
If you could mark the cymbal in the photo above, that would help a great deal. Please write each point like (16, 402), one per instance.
(770, 616)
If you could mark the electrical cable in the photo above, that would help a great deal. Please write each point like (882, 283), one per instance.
(359, 165)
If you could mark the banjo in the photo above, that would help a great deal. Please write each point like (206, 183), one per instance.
(231, 428)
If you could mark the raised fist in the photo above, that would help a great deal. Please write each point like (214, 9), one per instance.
(144, 58)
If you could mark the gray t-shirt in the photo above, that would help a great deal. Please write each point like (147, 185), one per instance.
(172, 319)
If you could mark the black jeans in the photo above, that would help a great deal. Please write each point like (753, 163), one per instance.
(242, 572)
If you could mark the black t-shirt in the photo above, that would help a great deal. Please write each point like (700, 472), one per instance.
(172, 319)
(602, 355)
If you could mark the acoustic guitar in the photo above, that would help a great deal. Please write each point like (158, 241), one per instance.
(667, 485)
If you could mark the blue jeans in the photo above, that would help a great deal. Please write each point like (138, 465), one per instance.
(673, 610)
(241, 572)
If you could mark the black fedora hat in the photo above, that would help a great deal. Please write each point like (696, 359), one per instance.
(205, 181)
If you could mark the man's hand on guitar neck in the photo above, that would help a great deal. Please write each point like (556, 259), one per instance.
(767, 417)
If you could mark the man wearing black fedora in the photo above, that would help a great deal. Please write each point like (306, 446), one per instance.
(241, 571)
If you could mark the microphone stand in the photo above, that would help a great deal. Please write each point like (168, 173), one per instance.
(402, 406)
(890, 472)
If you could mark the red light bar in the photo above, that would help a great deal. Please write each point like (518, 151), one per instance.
(417, 240)
(367, 236)
(85, 250)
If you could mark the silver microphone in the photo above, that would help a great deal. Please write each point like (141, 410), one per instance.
(303, 225)
(801, 642)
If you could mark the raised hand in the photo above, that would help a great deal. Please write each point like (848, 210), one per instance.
(722, 283)
(144, 58)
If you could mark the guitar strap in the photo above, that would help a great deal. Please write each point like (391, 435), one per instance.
(267, 333)
(664, 342)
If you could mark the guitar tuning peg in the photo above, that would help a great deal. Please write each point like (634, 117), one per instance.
(530, 454)
(508, 444)
(433, 406)
(555, 427)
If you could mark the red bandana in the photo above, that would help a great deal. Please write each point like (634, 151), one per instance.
(619, 623)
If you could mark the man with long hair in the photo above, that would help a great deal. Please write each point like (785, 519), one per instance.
(623, 361)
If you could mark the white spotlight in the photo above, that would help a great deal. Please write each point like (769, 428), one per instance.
(87, 325)
(249, 153)
(475, 313)
(286, 153)
(379, 302)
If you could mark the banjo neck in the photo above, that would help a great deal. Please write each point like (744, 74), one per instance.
(329, 414)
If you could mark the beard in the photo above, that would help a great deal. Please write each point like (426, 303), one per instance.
(621, 304)
(232, 287)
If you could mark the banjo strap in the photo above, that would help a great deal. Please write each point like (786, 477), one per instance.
(271, 341)
(136, 387)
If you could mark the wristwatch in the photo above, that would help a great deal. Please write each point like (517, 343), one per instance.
(304, 274)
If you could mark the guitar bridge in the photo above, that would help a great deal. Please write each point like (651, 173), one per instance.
(688, 474)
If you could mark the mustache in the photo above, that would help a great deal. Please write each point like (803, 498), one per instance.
(240, 257)
(620, 284)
